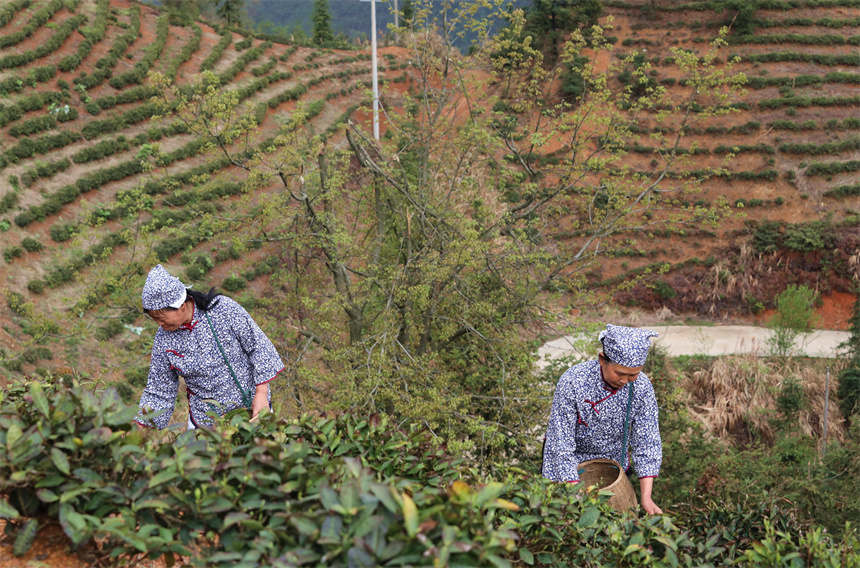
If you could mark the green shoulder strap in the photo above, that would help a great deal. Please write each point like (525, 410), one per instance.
(626, 422)
(246, 397)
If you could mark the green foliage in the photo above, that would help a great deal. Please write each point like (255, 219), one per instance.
(849, 391)
(795, 315)
(103, 67)
(231, 12)
(10, 253)
(791, 399)
(234, 283)
(109, 330)
(9, 9)
(791, 56)
(664, 290)
(321, 22)
(9, 201)
(42, 145)
(355, 490)
(805, 101)
(62, 232)
(767, 236)
(53, 43)
(209, 63)
(150, 55)
(31, 245)
(832, 168)
(38, 19)
(809, 237)
(36, 286)
(101, 150)
(44, 170)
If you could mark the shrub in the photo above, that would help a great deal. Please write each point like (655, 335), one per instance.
(849, 391)
(8, 202)
(234, 283)
(31, 245)
(110, 329)
(809, 237)
(62, 232)
(214, 55)
(767, 236)
(36, 286)
(125, 392)
(795, 315)
(11, 253)
(664, 290)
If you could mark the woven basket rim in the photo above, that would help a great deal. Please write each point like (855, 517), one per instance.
(624, 497)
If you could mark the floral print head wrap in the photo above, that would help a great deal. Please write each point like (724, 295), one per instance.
(626, 346)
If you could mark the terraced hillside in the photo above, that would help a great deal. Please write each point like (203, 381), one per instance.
(77, 117)
(76, 128)
(790, 154)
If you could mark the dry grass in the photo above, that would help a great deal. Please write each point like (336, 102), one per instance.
(736, 398)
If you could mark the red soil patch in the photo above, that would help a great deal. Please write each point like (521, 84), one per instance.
(834, 313)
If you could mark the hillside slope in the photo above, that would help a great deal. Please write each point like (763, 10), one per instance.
(76, 119)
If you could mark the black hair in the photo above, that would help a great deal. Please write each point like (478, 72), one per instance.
(603, 353)
(204, 302)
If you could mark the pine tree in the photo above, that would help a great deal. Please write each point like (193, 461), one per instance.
(321, 18)
(231, 11)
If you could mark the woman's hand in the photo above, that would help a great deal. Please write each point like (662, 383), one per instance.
(261, 400)
(646, 484)
(650, 507)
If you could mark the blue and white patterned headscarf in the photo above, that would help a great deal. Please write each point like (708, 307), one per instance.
(627, 346)
(162, 290)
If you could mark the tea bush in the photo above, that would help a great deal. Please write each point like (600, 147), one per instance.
(9, 9)
(234, 283)
(36, 286)
(44, 170)
(214, 55)
(343, 490)
(38, 19)
(10, 253)
(31, 245)
(831, 168)
(103, 67)
(150, 55)
(53, 43)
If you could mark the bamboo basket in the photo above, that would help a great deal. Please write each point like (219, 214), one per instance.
(607, 474)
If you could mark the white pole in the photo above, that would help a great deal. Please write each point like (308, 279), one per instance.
(826, 404)
(375, 74)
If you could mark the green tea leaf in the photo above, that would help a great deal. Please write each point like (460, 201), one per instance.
(527, 556)
(13, 434)
(60, 460)
(488, 493)
(7, 511)
(234, 517)
(46, 495)
(304, 525)
(589, 516)
(124, 416)
(163, 477)
(410, 515)
(39, 399)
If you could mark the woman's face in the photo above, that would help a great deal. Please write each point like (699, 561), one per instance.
(615, 375)
(171, 319)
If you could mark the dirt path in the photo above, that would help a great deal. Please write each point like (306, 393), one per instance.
(714, 340)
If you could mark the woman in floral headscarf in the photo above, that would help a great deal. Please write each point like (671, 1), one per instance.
(213, 344)
(590, 413)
